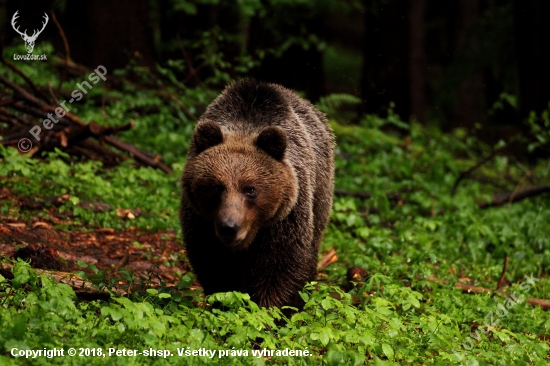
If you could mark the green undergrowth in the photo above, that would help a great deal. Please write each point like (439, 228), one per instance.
(411, 235)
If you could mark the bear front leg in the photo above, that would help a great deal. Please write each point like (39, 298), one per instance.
(283, 260)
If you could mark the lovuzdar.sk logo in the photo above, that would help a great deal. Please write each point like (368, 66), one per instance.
(29, 40)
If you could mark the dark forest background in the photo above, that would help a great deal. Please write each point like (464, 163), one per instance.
(478, 64)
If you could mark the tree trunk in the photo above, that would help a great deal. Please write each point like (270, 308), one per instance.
(532, 30)
(417, 59)
(385, 74)
(471, 107)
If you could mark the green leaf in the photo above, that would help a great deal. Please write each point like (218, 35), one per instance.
(388, 351)
(326, 304)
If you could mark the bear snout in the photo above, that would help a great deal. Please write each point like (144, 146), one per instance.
(227, 230)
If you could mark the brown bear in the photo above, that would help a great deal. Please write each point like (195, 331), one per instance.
(257, 193)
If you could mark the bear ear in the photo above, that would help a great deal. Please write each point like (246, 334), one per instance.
(207, 134)
(272, 140)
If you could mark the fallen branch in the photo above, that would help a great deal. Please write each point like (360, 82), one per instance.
(11, 118)
(94, 151)
(22, 92)
(499, 199)
(77, 130)
(327, 260)
(82, 288)
(544, 304)
(366, 195)
(138, 154)
(486, 159)
(22, 74)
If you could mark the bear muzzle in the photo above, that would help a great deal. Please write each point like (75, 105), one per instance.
(227, 230)
(230, 233)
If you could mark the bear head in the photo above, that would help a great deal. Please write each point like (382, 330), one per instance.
(240, 182)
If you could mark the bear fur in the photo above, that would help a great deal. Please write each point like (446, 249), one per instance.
(257, 193)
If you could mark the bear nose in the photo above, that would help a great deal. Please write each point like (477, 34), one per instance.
(228, 230)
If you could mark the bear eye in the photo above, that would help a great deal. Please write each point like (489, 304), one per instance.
(250, 192)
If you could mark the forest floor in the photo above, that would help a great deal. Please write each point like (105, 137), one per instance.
(153, 257)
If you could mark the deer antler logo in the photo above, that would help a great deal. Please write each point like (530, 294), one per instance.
(29, 40)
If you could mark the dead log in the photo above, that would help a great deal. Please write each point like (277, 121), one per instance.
(74, 130)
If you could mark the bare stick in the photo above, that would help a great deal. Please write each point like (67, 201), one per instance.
(62, 34)
(53, 95)
(184, 108)
(327, 260)
(502, 275)
(23, 93)
(192, 71)
(22, 74)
